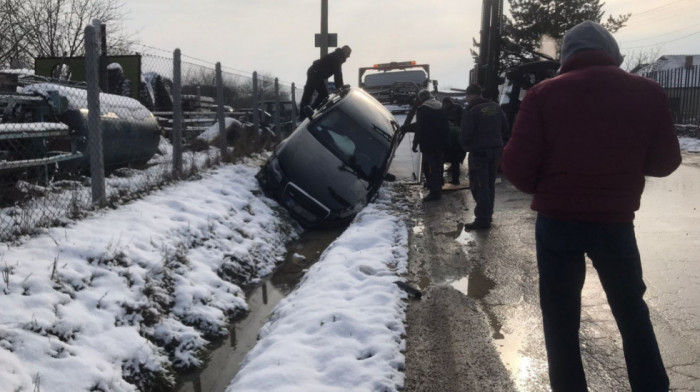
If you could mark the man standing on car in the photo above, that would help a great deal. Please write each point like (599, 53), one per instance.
(318, 72)
(432, 133)
(482, 129)
(582, 144)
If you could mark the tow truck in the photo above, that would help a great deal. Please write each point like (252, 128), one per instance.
(396, 82)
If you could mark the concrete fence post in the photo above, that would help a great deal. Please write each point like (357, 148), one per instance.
(256, 118)
(97, 171)
(177, 115)
(278, 110)
(223, 139)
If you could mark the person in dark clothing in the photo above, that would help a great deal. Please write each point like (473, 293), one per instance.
(432, 133)
(454, 155)
(482, 128)
(582, 144)
(319, 71)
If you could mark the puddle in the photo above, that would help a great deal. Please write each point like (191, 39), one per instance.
(225, 356)
(474, 285)
(521, 367)
(465, 239)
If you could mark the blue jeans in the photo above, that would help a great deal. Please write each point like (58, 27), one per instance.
(561, 246)
(483, 167)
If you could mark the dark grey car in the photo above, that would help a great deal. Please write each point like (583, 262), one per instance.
(333, 164)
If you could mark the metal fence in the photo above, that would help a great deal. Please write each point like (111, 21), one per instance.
(683, 88)
(68, 147)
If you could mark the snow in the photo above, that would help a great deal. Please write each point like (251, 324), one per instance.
(131, 295)
(342, 328)
(134, 291)
(110, 104)
(689, 144)
(33, 127)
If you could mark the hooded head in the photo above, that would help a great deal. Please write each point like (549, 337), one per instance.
(424, 95)
(346, 51)
(589, 35)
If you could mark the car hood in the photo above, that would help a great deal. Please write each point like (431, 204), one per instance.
(309, 165)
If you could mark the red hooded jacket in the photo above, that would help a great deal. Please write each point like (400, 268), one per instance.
(584, 140)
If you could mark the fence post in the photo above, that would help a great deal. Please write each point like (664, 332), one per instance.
(97, 170)
(278, 108)
(294, 108)
(256, 119)
(223, 139)
(177, 115)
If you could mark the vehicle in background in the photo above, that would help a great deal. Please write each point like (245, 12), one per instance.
(395, 82)
(335, 161)
(518, 80)
(44, 122)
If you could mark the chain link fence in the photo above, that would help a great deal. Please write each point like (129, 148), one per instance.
(81, 134)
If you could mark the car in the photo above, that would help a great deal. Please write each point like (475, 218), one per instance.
(335, 161)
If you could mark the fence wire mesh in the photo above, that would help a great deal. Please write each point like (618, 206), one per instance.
(47, 176)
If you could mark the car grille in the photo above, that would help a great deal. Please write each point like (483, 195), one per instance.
(303, 205)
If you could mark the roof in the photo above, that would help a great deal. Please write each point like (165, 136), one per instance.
(680, 75)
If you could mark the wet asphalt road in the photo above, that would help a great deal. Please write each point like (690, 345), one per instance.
(478, 324)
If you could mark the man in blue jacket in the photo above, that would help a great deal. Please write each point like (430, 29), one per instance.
(582, 144)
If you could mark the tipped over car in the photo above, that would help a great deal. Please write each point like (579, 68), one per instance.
(335, 161)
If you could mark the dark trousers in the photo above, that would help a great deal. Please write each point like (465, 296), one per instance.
(561, 246)
(483, 167)
(433, 170)
(313, 83)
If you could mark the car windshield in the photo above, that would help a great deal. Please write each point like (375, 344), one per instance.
(361, 149)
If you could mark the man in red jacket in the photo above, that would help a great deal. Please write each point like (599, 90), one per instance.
(582, 144)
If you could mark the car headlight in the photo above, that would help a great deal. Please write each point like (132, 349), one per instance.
(276, 170)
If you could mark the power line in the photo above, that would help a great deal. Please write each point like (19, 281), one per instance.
(660, 35)
(665, 42)
(661, 6)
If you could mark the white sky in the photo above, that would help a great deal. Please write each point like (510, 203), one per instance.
(277, 37)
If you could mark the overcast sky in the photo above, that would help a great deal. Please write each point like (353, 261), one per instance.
(277, 36)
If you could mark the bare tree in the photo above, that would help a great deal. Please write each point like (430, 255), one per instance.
(13, 45)
(53, 28)
(636, 60)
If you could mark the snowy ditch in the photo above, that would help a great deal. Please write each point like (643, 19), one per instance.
(127, 298)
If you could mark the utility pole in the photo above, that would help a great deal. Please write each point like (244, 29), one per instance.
(490, 47)
(324, 27)
(325, 40)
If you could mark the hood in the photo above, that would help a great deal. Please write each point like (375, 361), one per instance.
(589, 35)
(432, 104)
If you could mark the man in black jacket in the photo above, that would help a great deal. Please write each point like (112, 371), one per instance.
(454, 155)
(321, 70)
(432, 135)
(482, 129)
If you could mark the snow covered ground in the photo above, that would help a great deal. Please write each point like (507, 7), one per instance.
(115, 302)
(689, 144)
(123, 299)
(120, 300)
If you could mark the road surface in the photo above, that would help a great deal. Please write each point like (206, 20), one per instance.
(478, 325)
